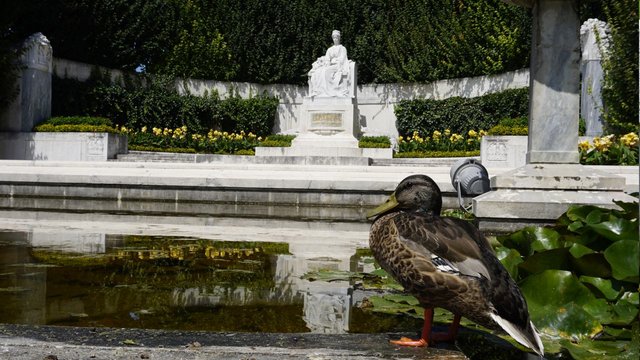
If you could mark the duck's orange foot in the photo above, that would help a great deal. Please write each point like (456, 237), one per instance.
(405, 341)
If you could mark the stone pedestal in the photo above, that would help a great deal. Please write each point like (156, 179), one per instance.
(540, 193)
(327, 127)
(554, 83)
(33, 103)
(552, 179)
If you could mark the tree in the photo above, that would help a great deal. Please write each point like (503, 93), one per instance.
(620, 90)
(200, 52)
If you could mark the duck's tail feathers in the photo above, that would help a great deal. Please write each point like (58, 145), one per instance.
(526, 336)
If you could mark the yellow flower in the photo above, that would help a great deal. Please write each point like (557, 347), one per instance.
(447, 132)
(156, 131)
(123, 129)
(630, 139)
(470, 141)
(472, 133)
(602, 143)
(482, 133)
(436, 135)
(455, 138)
(184, 128)
(144, 129)
(166, 132)
(400, 138)
(584, 145)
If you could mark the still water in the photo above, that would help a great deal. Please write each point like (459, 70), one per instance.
(97, 279)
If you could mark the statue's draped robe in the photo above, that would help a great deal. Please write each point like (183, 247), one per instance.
(330, 73)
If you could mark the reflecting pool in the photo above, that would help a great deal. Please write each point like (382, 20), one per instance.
(101, 279)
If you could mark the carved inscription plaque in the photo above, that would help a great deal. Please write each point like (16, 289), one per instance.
(323, 120)
(497, 150)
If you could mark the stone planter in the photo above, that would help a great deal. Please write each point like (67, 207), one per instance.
(61, 146)
(507, 151)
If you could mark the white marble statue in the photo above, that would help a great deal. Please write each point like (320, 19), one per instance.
(330, 74)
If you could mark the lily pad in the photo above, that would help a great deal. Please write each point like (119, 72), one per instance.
(623, 257)
(603, 286)
(556, 299)
(617, 229)
(595, 350)
(389, 306)
(510, 258)
(551, 259)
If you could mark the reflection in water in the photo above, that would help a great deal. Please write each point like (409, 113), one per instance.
(85, 279)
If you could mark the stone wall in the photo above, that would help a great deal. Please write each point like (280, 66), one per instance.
(375, 101)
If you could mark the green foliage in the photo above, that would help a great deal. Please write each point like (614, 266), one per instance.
(374, 142)
(511, 126)
(147, 101)
(257, 114)
(76, 124)
(460, 114)
(78, 120)
(74, 128)
(391, 41)
(620, 90)
(277, 140)
(416, 41)
(610, 150)
(200, 52)
(581, 277)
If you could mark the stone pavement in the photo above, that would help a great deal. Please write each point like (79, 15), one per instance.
(24, 342)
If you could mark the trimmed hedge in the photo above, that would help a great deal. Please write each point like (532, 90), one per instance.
(374, 142)
(148, 101)
(76, 124)
(277, 140)
(460, 114)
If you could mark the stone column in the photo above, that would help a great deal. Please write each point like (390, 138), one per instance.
(554, 83)
(33, 103)
(594, 39)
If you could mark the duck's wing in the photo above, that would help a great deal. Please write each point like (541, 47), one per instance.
(452, 244)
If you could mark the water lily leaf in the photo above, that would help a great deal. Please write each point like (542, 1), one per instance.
(520, 240)
(620, 333)
(402, 299)
(604, 287)
(510, 258)
(629, 209)
(625, 312)
(552, 259)
(617, 229)
(555, 299)
(575, 226)
(580, 212)
(595, 350)
(623, 257)
(383, 305)
(594, 217)
(579, 250)
(591, 265)
(332, 275)
(545, 239)
(601, 310)
(631, 297)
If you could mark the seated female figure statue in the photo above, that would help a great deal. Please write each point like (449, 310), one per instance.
(329, 75)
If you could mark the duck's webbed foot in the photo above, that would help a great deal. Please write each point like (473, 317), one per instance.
(405, 341)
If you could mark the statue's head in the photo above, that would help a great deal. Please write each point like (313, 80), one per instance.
(335, 35)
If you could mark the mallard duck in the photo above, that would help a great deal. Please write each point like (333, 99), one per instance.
(446, 262)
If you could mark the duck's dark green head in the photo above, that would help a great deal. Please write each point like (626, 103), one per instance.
(414, 193)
